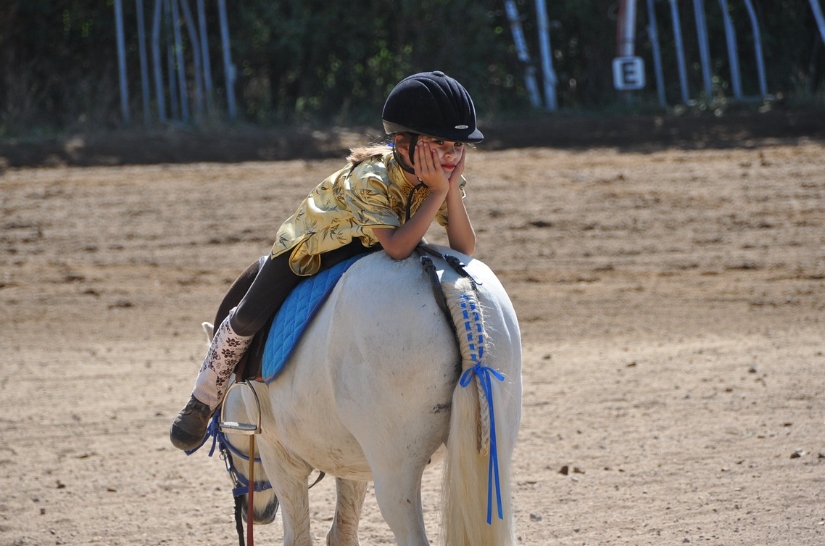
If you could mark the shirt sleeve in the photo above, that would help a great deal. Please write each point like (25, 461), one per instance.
(367, 198)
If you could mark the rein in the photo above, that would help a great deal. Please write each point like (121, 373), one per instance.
(227, 450)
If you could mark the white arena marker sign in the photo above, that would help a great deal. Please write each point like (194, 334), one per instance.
(628, 73)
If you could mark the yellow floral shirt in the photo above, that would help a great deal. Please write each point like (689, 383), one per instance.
(349, 204)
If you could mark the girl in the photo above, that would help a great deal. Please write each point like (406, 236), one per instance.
(387, 196)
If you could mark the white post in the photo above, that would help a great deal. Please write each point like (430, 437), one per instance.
(704, 47)
(626, 35)
(229, 68)
(653, 31)
(184, 95)
(680, 50)
(820, 20)
(207, 65)
(158, 68)
(196, 56)
(627, 28)
(170, 63)
(757, 45)
(144, 65)
(733, 54)
(121, 61)
(546, 56)
(523, 56)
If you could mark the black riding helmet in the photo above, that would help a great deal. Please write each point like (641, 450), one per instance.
(432, 104)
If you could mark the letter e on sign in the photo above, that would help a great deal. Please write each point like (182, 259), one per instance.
(628, 73)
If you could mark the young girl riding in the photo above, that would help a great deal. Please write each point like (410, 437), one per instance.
(386, 195)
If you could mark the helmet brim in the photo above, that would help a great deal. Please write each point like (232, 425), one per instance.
(458, 134)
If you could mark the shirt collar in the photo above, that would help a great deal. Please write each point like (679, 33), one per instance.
(396, 173)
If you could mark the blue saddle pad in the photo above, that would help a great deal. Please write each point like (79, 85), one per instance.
(295, 315)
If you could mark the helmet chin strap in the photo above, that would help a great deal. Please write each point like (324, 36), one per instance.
(410, 153)
(400, 160)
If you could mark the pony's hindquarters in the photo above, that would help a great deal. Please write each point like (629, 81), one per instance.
(486, 412)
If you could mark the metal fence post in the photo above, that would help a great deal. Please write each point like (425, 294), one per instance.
(757, 45)
(653, 32)
(523, 56)
(184, 95)
(820, 20)
(144, 68)
(733, 54)
(704, 47)
(121, 61)
(207, 65)
(192, 31)
(546, 56)
(229, 68)
(680, 50)
(156, 60)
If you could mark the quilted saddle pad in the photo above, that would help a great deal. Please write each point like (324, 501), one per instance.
(295, 315)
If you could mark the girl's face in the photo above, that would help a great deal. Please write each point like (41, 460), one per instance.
(449, 153)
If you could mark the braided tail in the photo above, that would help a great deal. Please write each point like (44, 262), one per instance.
(477, 469)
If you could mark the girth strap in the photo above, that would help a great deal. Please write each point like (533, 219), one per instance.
(426, 253)
(435, 284)
(451, 260)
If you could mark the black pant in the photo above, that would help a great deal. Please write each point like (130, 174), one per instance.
(273, 283)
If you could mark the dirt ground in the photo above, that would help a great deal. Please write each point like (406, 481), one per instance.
(671, 302)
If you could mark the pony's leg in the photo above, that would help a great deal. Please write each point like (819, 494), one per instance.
(344, 530)
(294, 500)
(288, 476)
(399, 498)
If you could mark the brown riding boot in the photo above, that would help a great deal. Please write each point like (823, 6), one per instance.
(189, 428)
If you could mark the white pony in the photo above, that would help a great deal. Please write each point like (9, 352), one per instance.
(373, 390)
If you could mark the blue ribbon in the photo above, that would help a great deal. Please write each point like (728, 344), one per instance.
(213, 430)
(484, 373)
(219, 439)
(243, 485)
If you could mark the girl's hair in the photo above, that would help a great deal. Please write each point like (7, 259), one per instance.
(361, 153)
(357, 155)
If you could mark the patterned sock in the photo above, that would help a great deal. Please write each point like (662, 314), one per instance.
(226, 350)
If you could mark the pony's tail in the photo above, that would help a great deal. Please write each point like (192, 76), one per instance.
(473, 487)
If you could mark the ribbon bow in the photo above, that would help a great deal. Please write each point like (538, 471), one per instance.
(484, 376)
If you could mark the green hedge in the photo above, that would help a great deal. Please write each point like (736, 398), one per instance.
(332, 63)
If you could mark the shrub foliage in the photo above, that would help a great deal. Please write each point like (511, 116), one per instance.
(332, 63)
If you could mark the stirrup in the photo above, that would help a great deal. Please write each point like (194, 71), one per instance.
(233, 427)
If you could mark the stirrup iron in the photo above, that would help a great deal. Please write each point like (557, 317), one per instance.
(233, 427)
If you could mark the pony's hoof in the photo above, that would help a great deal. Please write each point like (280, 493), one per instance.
(189, 427)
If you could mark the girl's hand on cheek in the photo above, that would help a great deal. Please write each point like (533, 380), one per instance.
(428, 168)
(455, 176)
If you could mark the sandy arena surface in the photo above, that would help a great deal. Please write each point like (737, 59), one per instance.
(671, 305)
